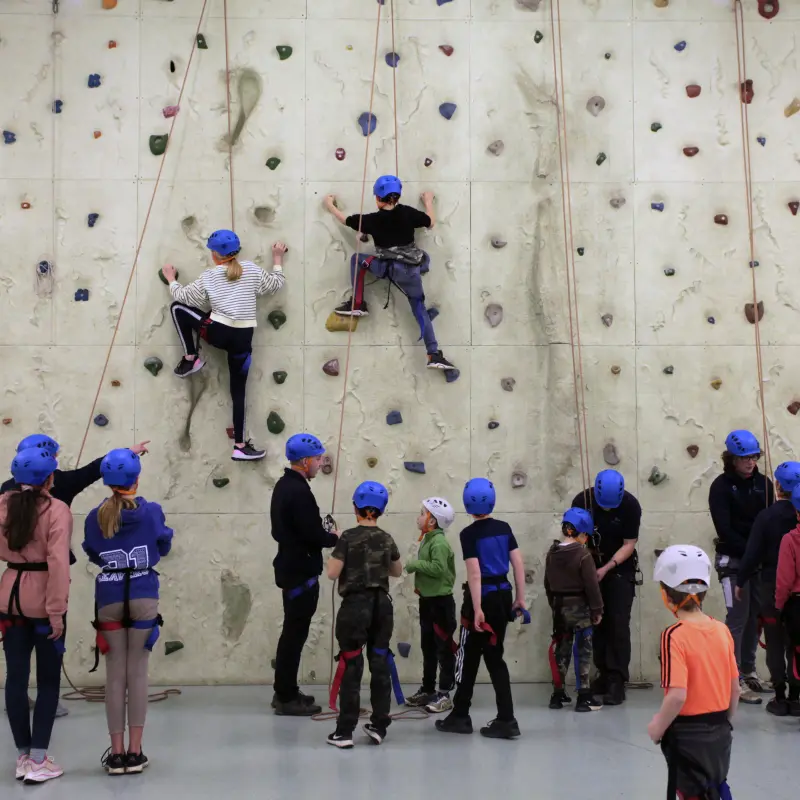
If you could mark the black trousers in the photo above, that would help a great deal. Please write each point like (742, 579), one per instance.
(437, 612)
(611, 640)
(236, 342)
(778, 644)
(791, 624)
(365, 618)
(474, 645)
(297, 614)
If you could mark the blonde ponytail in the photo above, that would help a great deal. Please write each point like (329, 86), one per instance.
(109, 515)
(233, 270)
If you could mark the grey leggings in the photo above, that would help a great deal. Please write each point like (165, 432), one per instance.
(126, 665)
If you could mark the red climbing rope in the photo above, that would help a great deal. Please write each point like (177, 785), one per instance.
(228, 101)
(141, 239)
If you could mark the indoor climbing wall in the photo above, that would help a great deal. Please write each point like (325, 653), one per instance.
(659, 239)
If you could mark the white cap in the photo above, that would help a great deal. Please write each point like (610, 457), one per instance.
(683, 567)
(441, 510)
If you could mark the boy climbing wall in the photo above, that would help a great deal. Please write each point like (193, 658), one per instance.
(397, 257)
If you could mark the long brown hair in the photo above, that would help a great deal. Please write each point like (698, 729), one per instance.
(109, 515)
(23, 509)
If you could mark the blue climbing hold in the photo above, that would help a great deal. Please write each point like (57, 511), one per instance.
(442, 2)
(92, 220)
(368, 122)
(680, 46)
(44, 267)
(392, 59)
(712, 321)
(58, 105)
(101, 420)
(762, 140)
(433, 312)
(415, 466)
(657, 206)
(94, 80)
(404, 648)
(394, 418)
(447, 110)
(451, 375)
(9, 137)
(81, 295)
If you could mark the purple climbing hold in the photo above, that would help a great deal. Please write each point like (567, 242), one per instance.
(404, 648)
(447, 110)
(101, 420)
(94, 80)
(9, 137)
(762, 140)
(392, 59)
(415, 466)
(81, 295)
(442, 2)
(368, 122)
(680, 46)
(331, 367)
(657, 206)
(92, 220)
(433, 312)
(58, 105)
(44, 268)
(712, 321)
(394, 418)
(452, 375)
(340, 154)
(494, 425)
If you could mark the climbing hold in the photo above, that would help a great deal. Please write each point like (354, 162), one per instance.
(44, 267)
(530, 576)
(25, 206)
(170, 111)
(428, 162)
(768, 8)
(331, 367)
(792, 408)
(368, 122)
(595, 105)
(164, 280)
(326, 465)
(754, 264)
(617, 202)
(656, 127)
(340, 154)
(279, 376)
(404, 648)
(693, 90)
(438, 2)
(172, 647)
(433, 312)
(538, 36)
(372, 462)
(94, 81)
(276, 318)
(446, 49)
(7, 420)
(793, 207)
(158, 143)
(81, 295)
(508, 384)
(231, 433)
(750, 312)
(691, 152)
(172, 66)
(656, 476)
(91, 220)
(581, 251)
(452, 375)
(693, 450)
(721, 219)
(494, 314)
(668, 370)
(610, 455)
(58, 106)
(154, 365)
(669, 271)
(716, 383)
(711, 321)
(615, 370)
(202, 44)
(657, 206)
(274, 423)
(273, 163)
(792, 108)
(116, 384)
(493, 425)
(608, 320)
(336, 323)
(221, 483)
(392, 59)
(273, 663)
(415, 466)
(394, 418)
(109, 4)
(364, 237)
(518, 480)
(101, 420)
(447, 110)
(97, 134)
(660, 3)
(747, 91)
(496, 147)
(498, 243)
(9, 137)
(607, 56)
(284, 51)
(601, 157)
(680, 46)
(111, 44)
(762, 140)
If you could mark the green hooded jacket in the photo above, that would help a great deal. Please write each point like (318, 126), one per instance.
(435, 568)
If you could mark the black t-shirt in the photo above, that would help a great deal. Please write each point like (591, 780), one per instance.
(614, 526)
(391, 228)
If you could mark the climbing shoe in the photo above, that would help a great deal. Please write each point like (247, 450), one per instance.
(440, 703)
(347, 309)
(420, 698)
(747, 695)
(136, 763)
(501, 729)
(586, 702)
(296, 708)
(247, 452)
(186, 368)
(778, 707)
(453, 724)
(438, 361)
(344, 741)
(559, 699)
(615, 696)
(757, 684)
(114, 763)
(374, 732)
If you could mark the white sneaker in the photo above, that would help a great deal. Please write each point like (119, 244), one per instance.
(41, 773)
(757, 684)
(747, 695)
(440, 704)
(22, 767)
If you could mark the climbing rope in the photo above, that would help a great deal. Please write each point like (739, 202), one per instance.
(97, 694)
(228, 103)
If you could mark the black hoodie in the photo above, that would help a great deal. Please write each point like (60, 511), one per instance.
(764, 544)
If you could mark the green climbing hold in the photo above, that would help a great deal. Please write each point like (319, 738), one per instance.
(276, 318)
(172, 647)
(284, 51)
(538, 36)
(164, 280)
(274, 423)
(158, 144)
(280, 376)
(656, 127)
(221, 483)
(273, 163)
(153, 365)
(601, 157)
(202, 44)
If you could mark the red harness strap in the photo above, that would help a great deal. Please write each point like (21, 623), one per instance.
(358, 289)
(762, 623)
(342, 658)
(445, 637)
(467, 625)
(551, 656)
(100, 640)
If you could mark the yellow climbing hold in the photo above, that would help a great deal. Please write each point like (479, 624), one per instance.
(792, 108)
(336, 323)
(716, 383)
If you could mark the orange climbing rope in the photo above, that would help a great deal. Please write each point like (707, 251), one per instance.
(741, 63)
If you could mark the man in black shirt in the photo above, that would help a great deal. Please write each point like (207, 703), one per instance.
(301, 537)
(396, 258)
(617, 516)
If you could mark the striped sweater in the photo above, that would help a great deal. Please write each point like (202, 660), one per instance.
(232, 302)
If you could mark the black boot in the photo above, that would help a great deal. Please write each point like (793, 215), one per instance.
(615, 696)
(559, 699)
(586, 702)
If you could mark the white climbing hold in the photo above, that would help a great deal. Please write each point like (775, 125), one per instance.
(494, 314)
(595, 105)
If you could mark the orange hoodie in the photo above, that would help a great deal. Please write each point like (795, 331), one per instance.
(788, 576)
(41, 594)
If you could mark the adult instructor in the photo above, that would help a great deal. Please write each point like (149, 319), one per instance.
(301, 536)
(617, 516)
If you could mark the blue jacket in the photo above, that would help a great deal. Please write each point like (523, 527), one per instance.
(142, 540)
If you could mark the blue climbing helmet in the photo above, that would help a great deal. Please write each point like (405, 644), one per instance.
(580, 519)
(371, 494)
(788, 475)
(796, 498)
(742, 443)
(479, 496)
(33, 466)
(609, 488)
(120, 468)
(224, 242)
(386, 185)
(41, 441)
(303, 445)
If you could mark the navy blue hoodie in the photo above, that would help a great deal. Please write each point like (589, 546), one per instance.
(142, 540)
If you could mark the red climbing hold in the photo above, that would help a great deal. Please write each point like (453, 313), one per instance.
(340, 154)
(792, 408)
(747, 92)
(7, 420)
(693, 90)
(111, 44)
(170, 111)
(446, 49)
(768, 8)
(793, 207)
(721, 219)
(230, 432)
(97, 134)
(691, 152)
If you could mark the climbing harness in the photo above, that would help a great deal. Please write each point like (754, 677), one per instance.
(677, 757)
(389, 656)
(291, 594)
(344, 656)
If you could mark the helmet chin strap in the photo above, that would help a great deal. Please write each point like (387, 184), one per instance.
(124, 492)
(676, 608)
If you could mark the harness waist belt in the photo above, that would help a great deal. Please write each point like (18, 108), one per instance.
(494, 583)
(303, 587)
(19, 567)
(39, 628)
(712, 718)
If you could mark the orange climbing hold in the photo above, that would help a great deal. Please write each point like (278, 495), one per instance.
(98, 134)
(792, 408)
(7, 420)
(792, 108)
(25, 206)
(109, 4)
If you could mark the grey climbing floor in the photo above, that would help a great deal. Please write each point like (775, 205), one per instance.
(224, 743)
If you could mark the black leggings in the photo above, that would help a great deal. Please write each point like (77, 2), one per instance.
(236, 342)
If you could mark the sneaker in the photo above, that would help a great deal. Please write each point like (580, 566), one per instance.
(586, 702)
(421, 698)
(438, 361)
(346, 309)
(41, 773)
(778, 707)
(61, 711)
(22, 767)
(747, 695)
(136, 763)
(186, 368)
(756, 683)
(794, 708)
(440, 704)
(375, 733)
(344, 741)
(296, 708)
(453, 724)
(247, 452)
(306, 698)
(559, 699)
(615, 696)
(500, 729)
(114, 763)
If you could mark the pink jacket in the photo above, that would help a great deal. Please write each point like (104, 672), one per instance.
(788, 576)
(42, 594)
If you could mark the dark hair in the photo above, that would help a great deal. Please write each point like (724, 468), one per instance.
(569, 530)
(676, 598)
(390, 198)
(369, 512)
(22, 514)
(728, 461)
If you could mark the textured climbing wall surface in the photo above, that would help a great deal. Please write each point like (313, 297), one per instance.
(668, 355)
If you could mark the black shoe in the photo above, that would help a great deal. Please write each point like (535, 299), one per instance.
(559, 699)
(438, 361)
(186, 368)
(453, 724)
(114, 763)
(296, 708)
(247, 452)
(374, 732)
(499, 729)
(420, 698)
(135, 763)
(615, 696)
(346, 309)
(586, 702)
(794, 708)
(344, 741)
(306, 698)
(778, 707)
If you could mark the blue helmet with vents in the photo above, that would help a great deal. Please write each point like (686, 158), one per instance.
(580, 519)
(224, 242)
(479, 496)
(742, 443)
(303, 445)
(371, 494)
(386, 185)
(609, 488)
(41, 441)
(121, 468)
(33, 466)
